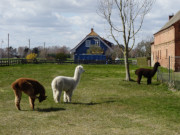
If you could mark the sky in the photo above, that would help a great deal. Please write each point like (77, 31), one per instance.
(66, 22)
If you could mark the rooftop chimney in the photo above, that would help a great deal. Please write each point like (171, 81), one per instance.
(92, 29)
(170, 16)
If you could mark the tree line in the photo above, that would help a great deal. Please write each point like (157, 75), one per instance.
(142, 49)
(47, 53)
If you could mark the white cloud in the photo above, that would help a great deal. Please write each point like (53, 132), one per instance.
(65, 22)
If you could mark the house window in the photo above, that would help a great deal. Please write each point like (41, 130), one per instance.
(160, 54)
(97, 42)
(88, 43)
(156, 55)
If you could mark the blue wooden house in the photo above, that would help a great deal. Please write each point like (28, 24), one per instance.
(80, 51)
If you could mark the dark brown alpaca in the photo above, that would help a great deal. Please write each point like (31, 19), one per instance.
(148, 73)
(30, 87)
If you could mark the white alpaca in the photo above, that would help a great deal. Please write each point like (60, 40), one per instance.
(66, 84)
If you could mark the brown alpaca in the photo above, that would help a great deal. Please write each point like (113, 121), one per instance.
(30, 87)
(148, 73)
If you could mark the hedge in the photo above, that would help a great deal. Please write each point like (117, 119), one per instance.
(143, 61)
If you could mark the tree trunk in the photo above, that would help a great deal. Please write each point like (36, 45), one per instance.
(126, 63)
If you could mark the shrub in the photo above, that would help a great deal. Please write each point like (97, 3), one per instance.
(143, 61)
(61, 56)
(95, 49)
(31, 57)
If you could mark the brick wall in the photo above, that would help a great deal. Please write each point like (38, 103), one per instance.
(163, 47)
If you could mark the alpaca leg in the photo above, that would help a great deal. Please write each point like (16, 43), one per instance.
(139, 79)
(54, 93)
(31, 101)
(65, 97)
(18, 95)
(57, 96)
(69, 95)
(149, 80)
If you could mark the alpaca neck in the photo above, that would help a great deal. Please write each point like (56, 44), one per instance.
(77, 76)
(42, 92)
(154, 70)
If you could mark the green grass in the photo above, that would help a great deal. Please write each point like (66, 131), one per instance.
(102, 104)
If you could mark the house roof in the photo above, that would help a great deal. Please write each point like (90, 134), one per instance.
(172, 21)
(93, 34)
(107, 42)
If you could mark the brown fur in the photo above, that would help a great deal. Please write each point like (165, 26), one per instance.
(30, 87)
(148, 73)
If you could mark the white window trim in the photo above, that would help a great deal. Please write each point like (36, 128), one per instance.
(97, 42)
(88, 43)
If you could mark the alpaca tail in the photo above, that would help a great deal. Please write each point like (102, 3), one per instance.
(54, 89)
(15, 86)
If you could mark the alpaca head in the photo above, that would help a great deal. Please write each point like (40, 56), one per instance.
(80, 69)
(157, 64)
(41, 98)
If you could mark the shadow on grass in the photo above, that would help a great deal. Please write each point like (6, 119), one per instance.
(51, 109)
(153, 83)
(92, 103)
(79, 103)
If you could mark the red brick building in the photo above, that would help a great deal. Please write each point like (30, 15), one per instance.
(167, 43)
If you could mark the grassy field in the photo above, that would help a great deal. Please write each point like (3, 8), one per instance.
(102, 104)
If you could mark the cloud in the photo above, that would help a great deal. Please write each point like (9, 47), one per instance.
(65, 22)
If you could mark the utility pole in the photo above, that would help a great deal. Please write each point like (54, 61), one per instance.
(29, 51)
(29, 43)
(44, 49)
(8, 49)
(44, 45)
(1, 48)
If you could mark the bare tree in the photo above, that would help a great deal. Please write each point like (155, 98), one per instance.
(125, 19)
(43, 52)
(143, 48)
(116, 53)
(21, 51)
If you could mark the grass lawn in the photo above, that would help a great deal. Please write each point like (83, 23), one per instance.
(102, 104)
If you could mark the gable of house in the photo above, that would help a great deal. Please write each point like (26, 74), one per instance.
(172, 20)
(167, 42)
(80, 51)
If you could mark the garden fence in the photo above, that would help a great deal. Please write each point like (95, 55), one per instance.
(171, 72)
(9, 62)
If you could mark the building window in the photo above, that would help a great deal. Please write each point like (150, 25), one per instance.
(156, 55)
(88, 43)
(160, 54)
(97, 42)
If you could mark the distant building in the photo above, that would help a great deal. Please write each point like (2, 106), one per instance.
(80, 51)
(167, 43)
